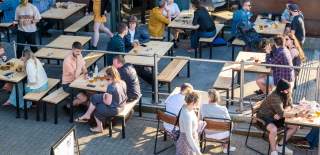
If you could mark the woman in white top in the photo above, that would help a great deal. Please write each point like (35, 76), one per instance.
(36, 75)
(188, 142)
(174, 10)
(26, 16)
(175, 102)
(214, 110)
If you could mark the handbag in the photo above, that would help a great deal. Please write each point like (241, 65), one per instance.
(175, 133)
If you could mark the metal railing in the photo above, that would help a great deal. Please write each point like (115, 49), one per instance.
(242, 64)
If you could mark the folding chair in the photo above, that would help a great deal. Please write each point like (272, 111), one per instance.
(162, 117)
(216, 124)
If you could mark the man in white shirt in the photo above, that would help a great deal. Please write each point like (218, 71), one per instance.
(175, 102)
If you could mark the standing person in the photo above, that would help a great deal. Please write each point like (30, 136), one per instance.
(272, 112)
(297, 24)
(73, 67)
(136, 34)
(99, 8)
(202, 18)
(116, 43)
(285, 16)
(183, 4)
(44, 5)
(214, 110)
(129, 75)
(175, 102)
(157, 21)
(188, 142)
(109, 104)
(37, 79)
(26, 16)
(8, 8)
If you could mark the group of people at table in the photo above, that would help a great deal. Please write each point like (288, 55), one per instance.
(123, 82)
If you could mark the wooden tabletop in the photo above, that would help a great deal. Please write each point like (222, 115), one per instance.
(311, 119)
(61, 13)
(52, 53)
(92, 57)
(66, 41)
(204, 98)
(251, 57)
(5, 25)
(225, 15)
(183, 21)
(98, 86)
(268, 27)
(152, 47)
(16, 77)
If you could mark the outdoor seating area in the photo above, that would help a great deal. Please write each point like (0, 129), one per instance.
(158, 77)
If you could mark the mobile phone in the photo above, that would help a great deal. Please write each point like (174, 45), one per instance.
(143, 45)
(90, 85)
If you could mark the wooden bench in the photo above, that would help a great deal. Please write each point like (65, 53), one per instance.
(6, 27)
(224, 81)
(209, 41)
(36, 97)
(172, 70)
(81, 23)
(156, 38)
(92, 58)
(123, 115)
(237, 43)
(54, 98)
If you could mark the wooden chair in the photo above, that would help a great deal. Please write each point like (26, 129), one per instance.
(163, 117)
(168, 74)
(36, 97)
(259, 124)
(54, 98)
(216, 124)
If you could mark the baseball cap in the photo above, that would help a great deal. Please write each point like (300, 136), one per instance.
(294, 7)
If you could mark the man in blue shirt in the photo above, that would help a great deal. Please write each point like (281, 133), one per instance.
(8, 8)
(44, 5)
(242, 18)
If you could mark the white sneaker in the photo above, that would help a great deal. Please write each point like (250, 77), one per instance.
(288, 151)
(232, 149)
(274, 153)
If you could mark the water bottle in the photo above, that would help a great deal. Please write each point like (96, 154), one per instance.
(96, 71)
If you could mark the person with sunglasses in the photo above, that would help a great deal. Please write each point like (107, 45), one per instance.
(297, 24)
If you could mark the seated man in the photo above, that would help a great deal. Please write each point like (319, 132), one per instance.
(8, 8)
(73, 67)
(273, 112)
(44, 5)
(158, 22)
(129, 75)
(175, 102)
(116, 43)
(214, 110)
(242, 27)
(136, 35)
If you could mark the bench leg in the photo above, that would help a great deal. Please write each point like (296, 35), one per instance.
(210, 52)
(188, 66)
(140, 106)
(195, 53)
(25, 110)
(123, 128)
(44, 109)
(169, 87)
(200, 50)
(232, 56)
(56, 114)
(8, 35)
(110, 127)
(38, 111)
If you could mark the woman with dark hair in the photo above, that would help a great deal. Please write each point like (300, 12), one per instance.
(202, 18)
(99, 8)
(104, 106)
(272, 112)
(297, 54)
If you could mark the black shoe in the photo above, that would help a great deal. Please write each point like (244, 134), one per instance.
(258, 92)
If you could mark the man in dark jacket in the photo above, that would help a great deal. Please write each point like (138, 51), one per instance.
(136, 34)
(116, 43)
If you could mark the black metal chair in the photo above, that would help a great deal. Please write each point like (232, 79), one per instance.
(216, 124)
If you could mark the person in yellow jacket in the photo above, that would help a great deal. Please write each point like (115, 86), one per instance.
(157, 21)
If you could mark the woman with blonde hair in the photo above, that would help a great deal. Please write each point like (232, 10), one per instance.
(104, 106)
(188, 142)
(100, 8)
(37, 79)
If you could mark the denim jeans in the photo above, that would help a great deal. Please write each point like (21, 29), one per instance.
(196, 35)
(12, 97)
(313, 137)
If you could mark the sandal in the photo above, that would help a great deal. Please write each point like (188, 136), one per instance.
(82, 120)
(95, 130)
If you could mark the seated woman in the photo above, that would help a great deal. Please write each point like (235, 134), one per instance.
(175, 102)
(104, 106)
(272, 112)
(188, 142)
(214, 110)
(202, 18)
(37, 79)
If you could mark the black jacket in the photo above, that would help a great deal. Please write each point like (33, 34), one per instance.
(202, 17)
(105, 6)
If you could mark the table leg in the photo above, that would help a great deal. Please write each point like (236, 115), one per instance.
(8, 35)
(169, 34)
(153, 86)
(71, 107)
(284, 139)
(17, 101)
(319, 145)
(267, 87)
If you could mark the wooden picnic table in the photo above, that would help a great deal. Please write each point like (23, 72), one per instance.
(14, 78)
(52, 53)
(152, 47)
(268, 27)
(204, 98)
(99, 86)
(307, 120)
(66, 41)
(225, 15)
